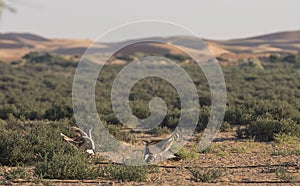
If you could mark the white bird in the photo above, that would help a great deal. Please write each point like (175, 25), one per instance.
(81, 140)
(148, 154)
(160, 149)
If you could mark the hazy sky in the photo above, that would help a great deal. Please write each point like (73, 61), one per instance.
(213, 19)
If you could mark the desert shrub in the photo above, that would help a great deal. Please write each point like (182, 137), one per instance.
(45, 141)
(41, 88)
(209, 175)
(186, 154)
(14, 148)
(283, 174)
(172, 118)
(225, 127)
(158, 131)
(16, 173)
(125, 58)
(50, 59)
(247, 147)
(57, 112)
(286, 152)
(233, 115)
(27, 141)
(120, 134)
(203, 118)
(140, 109)
(111, 118)
(205, 98)
(177, 57)
(126, 173)
(274, 108)
(283, 138)
(66, 166)
(265, 129)
(213, 149)
(275, 58)
(7, 110)
(2, 122)
(290, 58)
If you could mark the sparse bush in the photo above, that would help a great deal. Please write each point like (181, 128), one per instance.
(204, 118)
(187, 154)
(66, 166)
(22, 144)
(14, 148)
(275, 58)
(177, 57)
(225, 127)
(125, 58)
(120, 134)
(158, 131)
(283, 174)
(265, 129)
(206, 175)
(45, 141)
(247, 147)
(213, 149)
(57, 112)
(126, 173)
(283, 138)
(286, 152)
(16, 173)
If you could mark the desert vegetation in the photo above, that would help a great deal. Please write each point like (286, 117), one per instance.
(35, 106)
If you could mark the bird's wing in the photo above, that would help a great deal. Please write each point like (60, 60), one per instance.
(69, 140)
(90, 133)
(77, 131)
(168, 155)
(92, 141)
(165, 143)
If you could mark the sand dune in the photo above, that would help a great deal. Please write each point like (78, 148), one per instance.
(15, 45)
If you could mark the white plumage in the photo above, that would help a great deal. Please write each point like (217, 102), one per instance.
(160, 149)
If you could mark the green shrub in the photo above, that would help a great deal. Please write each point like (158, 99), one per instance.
(45, 141)
(120, 134)
(225, 127)
(214, 149)
(203, 118)
(27, 142)
(187, 154)
(209, 175)
(16, 173)
(14, 148)
(126, 173)
(283, 138)
(283, 174)
(177, 57)
(265, 129)
(66, 166)
(158, 131)
(57, 112)
(286, 152)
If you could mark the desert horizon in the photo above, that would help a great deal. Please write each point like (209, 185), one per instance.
(16, 45)
(148, 102)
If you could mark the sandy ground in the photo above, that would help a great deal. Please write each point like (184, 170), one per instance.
(243, 162)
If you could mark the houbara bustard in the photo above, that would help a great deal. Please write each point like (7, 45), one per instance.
(161, 149)
(81, 139)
